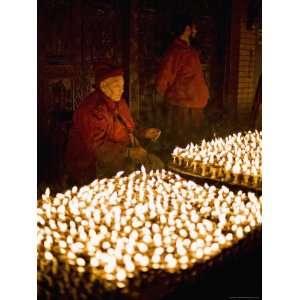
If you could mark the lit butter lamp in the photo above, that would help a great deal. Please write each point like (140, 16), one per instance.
(236, 158)
(213, 172)
(117, 229)
(236, 171)
(228, 171)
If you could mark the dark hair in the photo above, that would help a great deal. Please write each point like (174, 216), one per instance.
(180, 21)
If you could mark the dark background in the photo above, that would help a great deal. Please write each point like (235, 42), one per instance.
(73, 35)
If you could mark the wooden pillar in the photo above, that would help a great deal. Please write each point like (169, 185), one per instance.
(133, 76)
(232, 59)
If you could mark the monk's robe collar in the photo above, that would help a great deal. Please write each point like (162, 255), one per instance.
(112, 105)
(181, 43)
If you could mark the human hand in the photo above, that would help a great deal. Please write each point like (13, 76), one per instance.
(152, 133)
(138, 153)
(134, 140)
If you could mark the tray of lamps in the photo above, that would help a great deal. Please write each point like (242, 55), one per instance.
(235, 159)
(118, 235)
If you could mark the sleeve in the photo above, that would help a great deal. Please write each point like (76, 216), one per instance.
(126, 115)
(94, 130)
(111, 152)
(139, 132)
(167, 72)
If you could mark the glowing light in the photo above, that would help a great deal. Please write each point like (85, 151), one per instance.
(110, 230)
(232, 158)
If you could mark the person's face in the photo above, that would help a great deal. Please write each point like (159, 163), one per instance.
(193, 30)
(113, 87)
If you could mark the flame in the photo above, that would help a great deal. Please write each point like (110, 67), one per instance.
(127, 224)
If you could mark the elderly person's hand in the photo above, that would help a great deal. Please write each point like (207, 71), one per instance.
(152, 133)
(138, 154)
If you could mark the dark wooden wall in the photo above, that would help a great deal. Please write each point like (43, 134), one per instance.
(75, 34)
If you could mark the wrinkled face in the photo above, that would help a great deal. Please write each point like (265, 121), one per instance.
(113, 87)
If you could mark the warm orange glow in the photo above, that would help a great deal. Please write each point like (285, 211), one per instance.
(119, 227)
(236, 158)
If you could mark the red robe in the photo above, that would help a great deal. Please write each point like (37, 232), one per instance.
(180, 78)
(100, 131)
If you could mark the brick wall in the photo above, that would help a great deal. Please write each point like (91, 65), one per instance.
(249, 65)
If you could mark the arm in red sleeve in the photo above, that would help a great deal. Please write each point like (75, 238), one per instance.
(139, 132)
(167, 72)
(94, 130)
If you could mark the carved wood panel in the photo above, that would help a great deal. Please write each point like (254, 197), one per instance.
(60, 91)
(59, 57)
(72, 36)
(101, 35)
(57, 20)
(148, 58)
(101, 38)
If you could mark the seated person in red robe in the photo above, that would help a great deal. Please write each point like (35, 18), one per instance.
(104, 138)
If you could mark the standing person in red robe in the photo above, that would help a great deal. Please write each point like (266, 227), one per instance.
(180, 80)
(103, 138)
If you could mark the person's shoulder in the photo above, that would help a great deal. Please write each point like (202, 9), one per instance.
(174, 47)
(123, 101)
(92, 103)
(100, 106)
(123, 104)
(178, 48)
(92, 97)
(195, 50)
(88, 100)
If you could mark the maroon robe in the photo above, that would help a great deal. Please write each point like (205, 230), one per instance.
(100, 132)
(180, 78)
